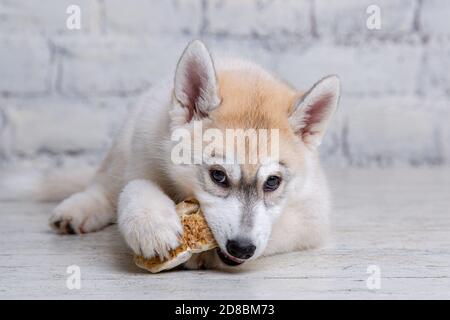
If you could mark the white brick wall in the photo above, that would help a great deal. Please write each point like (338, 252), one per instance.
(365, 70)
(153, 17)
(434, 19)
(47, 17)
(259, 18)
(118, 65)
(64, 92)
(25, 65)
(345, 20)
(56, 126)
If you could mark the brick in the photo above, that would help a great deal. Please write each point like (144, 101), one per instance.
(260, 18)
(434, 19)
(56, 126)
(434, 77)
(379, 68)
(390, 130)
(117, 65)
(154, 16)
(347, 19)
(24, 65)
(46, 17)
(440, 109)
(246, 49)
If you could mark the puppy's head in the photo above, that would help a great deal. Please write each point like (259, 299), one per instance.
(218, 113)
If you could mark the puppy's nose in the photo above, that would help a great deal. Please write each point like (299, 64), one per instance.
(241, 249)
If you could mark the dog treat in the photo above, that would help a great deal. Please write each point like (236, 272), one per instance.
(197, 237)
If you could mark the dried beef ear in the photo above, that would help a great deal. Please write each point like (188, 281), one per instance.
(197, 237)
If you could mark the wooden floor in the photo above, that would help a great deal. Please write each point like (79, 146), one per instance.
(398, 221)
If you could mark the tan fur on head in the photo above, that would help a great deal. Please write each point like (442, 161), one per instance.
(253, 100)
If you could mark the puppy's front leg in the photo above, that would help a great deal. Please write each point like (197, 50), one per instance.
(147, 219)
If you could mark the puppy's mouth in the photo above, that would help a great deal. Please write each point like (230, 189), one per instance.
(229, 260)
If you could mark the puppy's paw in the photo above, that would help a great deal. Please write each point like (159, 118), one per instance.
(81, 213)
(151, 234)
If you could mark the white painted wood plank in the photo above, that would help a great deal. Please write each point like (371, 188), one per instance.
(397, 220)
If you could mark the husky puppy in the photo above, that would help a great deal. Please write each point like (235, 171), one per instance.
(274, 205)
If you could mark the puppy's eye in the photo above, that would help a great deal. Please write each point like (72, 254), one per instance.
(272, 183)
(219, 177)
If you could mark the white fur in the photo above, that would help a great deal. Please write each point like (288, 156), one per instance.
(139, 179)
(304, 223)
(85, 211)
(148, 220)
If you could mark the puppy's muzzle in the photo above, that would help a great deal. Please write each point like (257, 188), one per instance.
(242, 249)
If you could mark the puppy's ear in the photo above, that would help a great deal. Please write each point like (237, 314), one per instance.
(196, 86)
(312, 112)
